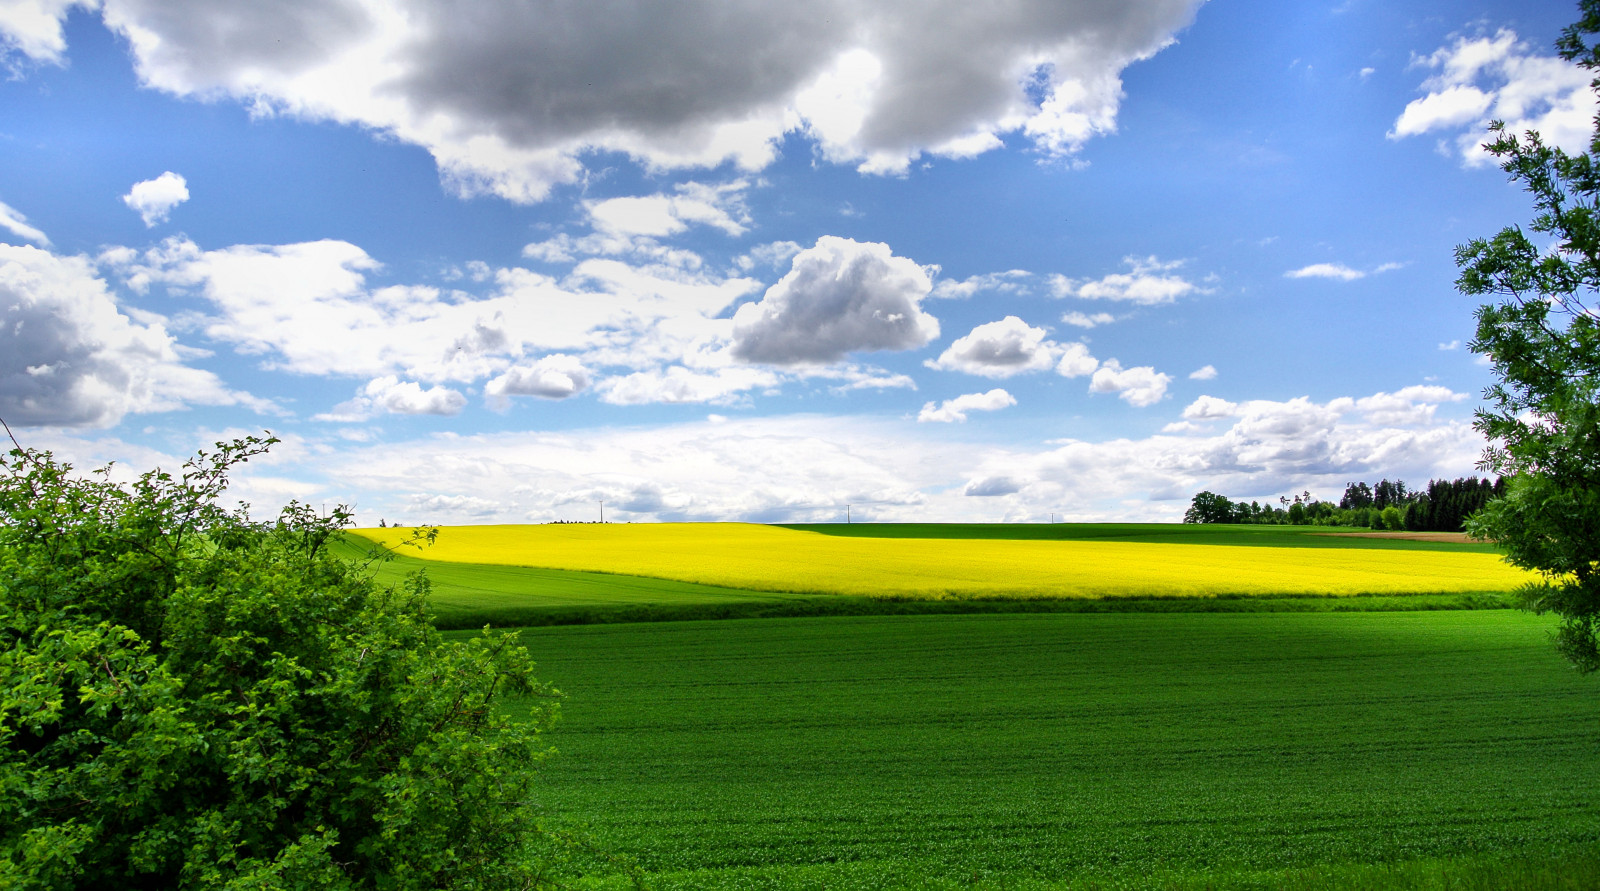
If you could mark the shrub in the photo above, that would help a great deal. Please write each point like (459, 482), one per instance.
(194, 699)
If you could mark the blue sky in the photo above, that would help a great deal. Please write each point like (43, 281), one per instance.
(754, 262)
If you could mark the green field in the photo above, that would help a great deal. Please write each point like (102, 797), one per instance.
(1442, 749)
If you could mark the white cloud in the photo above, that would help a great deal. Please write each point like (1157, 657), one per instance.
(410, 398)
(1204, 373)
(992, 486)
(33, 28)
(677, 384)
(1149, 282)
(1209, 408)
(1479, 79)
(17, 224)
(390, 395)
(1326, 270)
(1450, 345)
(556, 376)
(70, 357)
(654, 216)
(153, 199)
(1076, 361)
(1141, 386)
(807, 467)
(955, 410)
(1084, 320)
(308, 308)
(1409, 406)
(509, 105)
(1000, 349)
(839, 296)
(772, 255)
(1013, 281)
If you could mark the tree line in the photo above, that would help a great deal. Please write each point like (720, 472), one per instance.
(1443, 506)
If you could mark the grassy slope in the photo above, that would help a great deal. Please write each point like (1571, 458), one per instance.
(470, 595)
(1019, 751)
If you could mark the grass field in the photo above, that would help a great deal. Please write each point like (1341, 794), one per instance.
(1367, 750)
(801, 561)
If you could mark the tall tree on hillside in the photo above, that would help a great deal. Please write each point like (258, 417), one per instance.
(1543, 340)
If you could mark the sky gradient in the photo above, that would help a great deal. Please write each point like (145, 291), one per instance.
(760, 261)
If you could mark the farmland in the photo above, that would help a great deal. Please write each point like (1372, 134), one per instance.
(802, 561)
(1033, 751)
(1116, 738)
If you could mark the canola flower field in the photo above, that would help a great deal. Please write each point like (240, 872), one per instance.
(800, 561)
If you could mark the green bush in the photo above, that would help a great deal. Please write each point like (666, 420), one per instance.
(192, 699)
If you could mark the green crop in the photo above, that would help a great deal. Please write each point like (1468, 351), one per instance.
(1070, 750)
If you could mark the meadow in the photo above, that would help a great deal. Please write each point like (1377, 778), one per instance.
(1126, 750)
(803, 561)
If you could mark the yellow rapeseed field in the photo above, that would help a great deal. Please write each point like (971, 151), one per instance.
(768, 558)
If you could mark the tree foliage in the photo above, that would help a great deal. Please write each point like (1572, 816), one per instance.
(1542, 419)
(192, 699)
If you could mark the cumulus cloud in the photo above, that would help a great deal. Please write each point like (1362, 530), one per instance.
(153, 199)
(955, 410)
(1013, 281)
(839, 296)
(390, 395)
(1076, 361)
(556, 376)
(1141, 386)
(510, 99)
(1480, 79)
(1000, 349)
(1148, 282)
(1204, 373)
(1209, 408)
(17, 224)
(1408, 406)
(410, 398)
(70, 357)
(308, 308)
(807, 467)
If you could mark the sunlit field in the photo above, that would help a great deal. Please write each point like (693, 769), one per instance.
(776, 559)
(1437, 750)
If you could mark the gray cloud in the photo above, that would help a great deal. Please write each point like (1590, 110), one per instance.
(69, 357)
(840, 296)
(510, 96)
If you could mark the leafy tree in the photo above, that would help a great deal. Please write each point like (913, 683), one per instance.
(1209, 507)
(1543, 415)
(192, 699)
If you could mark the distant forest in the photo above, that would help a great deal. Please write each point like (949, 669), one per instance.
(1441, 507)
